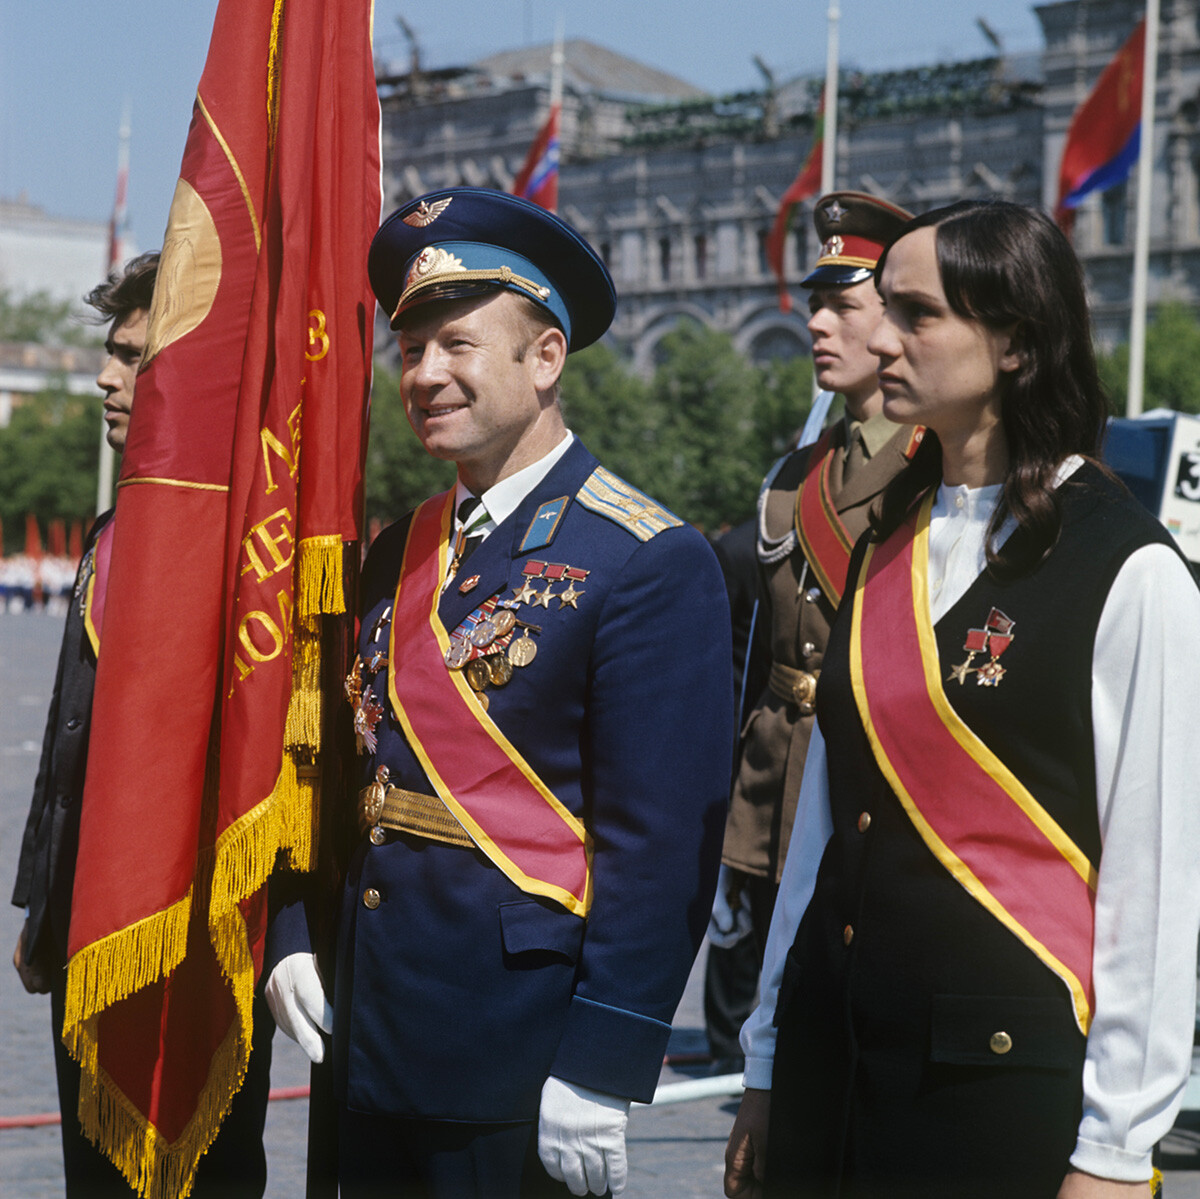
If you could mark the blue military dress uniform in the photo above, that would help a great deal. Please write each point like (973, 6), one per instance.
(456, 993)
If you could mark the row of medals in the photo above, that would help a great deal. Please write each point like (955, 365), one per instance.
(494, 669)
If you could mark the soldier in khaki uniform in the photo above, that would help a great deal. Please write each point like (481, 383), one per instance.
(812, 508)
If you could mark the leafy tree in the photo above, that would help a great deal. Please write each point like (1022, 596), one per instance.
(1172, 363)
(608, 407)
(781, 407)
(48, 461)
(704, 393)
(38, 318)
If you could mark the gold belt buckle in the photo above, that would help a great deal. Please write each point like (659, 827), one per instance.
(804, 692)
(371, 799)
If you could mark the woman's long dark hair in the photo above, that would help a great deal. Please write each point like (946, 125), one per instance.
(1005, 264)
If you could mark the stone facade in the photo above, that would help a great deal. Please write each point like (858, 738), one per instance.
(678, 191)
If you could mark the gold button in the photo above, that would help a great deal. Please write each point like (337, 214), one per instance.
(378, 836)
(808, 649)
(1000, 1042)
(848, 934)
(864, 821)
(371, 898)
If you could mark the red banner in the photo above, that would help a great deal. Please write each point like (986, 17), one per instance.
(975, 815)
(240, 483)
(537, 181)
(804, 185)
(1104, 138)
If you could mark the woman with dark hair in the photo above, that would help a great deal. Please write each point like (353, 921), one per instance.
(980, 978)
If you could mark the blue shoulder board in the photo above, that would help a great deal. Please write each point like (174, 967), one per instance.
(624, 505)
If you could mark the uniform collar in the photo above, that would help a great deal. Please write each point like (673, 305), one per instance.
(503, 499)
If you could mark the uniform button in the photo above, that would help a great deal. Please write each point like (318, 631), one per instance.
(812, 595)
(73, 723)
(864, 821)
(808, 649)
(847, 934)
(1000, 1043)
(958, 501)
(378, 836)
(371, 898)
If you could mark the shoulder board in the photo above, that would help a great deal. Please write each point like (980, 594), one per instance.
(624, 505)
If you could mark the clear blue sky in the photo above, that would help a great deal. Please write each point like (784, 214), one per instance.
(67, 67)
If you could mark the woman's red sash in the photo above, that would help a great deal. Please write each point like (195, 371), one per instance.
(823, 537)
(494, 793)
(978, 819)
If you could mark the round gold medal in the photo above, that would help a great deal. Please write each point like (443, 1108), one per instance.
(504, 620)
(500, 669)
(523, 650)
(478, 674)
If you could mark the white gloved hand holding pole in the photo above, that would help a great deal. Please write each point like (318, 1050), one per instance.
(296, 996)
(581, 1137)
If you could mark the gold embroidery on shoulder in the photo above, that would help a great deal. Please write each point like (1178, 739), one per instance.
(624, 505)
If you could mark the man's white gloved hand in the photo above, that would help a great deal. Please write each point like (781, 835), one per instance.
(581, 1137)
(296, 997)
(730, 920)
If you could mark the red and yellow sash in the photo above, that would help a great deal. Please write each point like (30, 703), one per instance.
(494, 793)
(978, 819)
(825, 540)
(823, 537)
(97, 586)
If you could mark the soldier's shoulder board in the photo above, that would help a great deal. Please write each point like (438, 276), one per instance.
(613, 498)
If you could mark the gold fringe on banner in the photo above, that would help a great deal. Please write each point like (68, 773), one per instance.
(318, 584)
(154, 1167)
(302, 730)
(111, 969)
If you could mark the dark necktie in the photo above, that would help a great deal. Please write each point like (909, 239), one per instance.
(472, 516)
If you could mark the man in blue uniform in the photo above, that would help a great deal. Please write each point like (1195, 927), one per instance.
(543, 699)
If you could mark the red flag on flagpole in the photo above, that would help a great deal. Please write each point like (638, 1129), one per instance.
(804, 185)
(1104, 137)
(538, 178)
(240, 484)
(33, 537)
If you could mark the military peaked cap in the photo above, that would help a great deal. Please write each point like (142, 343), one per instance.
(853, 228)
(463, 241)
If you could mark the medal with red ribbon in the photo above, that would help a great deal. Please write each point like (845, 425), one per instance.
(993, 639)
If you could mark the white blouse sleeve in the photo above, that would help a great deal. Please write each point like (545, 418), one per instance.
(1145, 676)
(810, 834)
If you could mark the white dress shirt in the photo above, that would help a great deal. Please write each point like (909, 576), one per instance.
(1145, 667)
(503, 499)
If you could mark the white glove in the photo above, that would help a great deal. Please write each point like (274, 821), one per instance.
(728, 923)
(296, 997)
(581, 1138)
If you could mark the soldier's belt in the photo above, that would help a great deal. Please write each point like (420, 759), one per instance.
(797, 687)
(410, 812)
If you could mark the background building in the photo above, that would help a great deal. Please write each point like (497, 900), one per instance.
(678, 189)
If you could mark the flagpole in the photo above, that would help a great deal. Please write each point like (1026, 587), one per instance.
(556, 64)
(104, 473)
(1141, 237)
(829, 146)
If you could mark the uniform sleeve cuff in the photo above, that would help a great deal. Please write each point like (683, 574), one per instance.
(1107, 1161)
(611, 1050)
(758, 1073)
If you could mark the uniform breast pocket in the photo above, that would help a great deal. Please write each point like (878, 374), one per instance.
(1005, 1031)
(536, 935)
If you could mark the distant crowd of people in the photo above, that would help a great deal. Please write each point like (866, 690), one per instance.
(29, 584)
